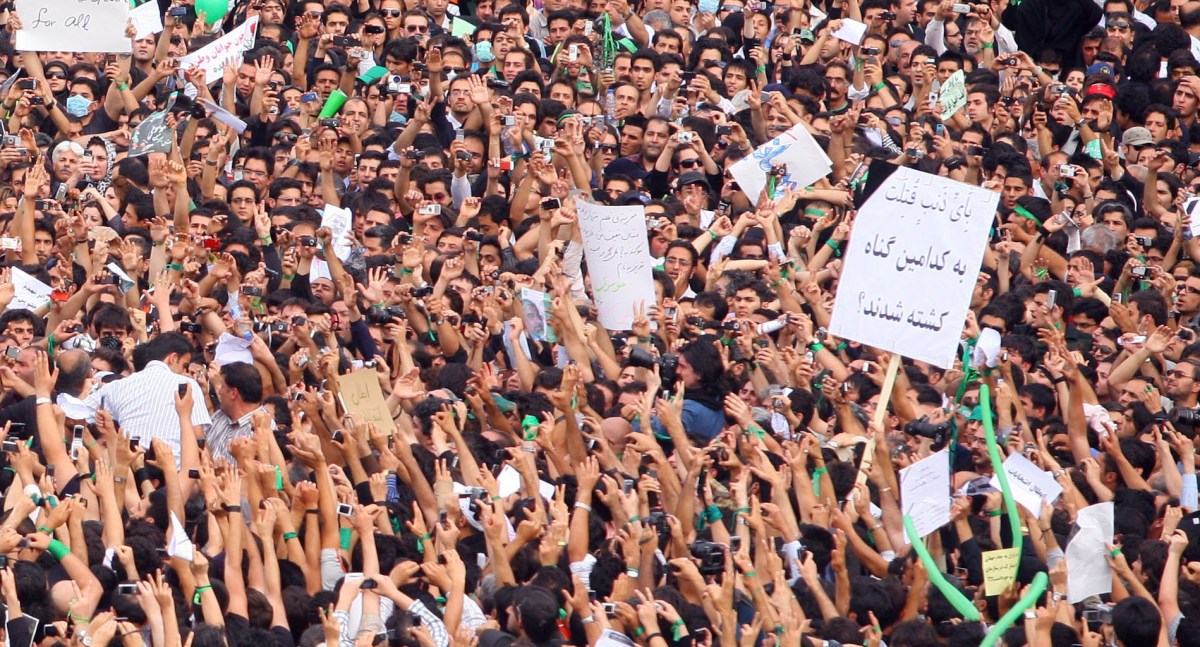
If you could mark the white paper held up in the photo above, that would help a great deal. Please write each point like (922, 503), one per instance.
(1088, 572)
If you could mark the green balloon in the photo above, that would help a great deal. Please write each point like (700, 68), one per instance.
(1010, 505)
(214, 10)
(960, 602)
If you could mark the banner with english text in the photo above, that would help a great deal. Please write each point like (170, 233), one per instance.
(911, 264)
(73, 26)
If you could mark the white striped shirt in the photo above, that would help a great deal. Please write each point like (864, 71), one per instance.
(143, 404)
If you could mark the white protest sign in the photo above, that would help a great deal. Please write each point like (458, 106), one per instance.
(73, 26)
(953, 95)
(341, 222)
(224, 116)
(804, 159)
(618, 259)
(910, 265)
(1088, 572)
(28, 292)
(925, 492)
(1029, 484)
(1189, 207)
(230, 47)
(851, 31)
(146, 20)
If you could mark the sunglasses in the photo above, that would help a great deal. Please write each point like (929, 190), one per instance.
(436, 197)
(609, 148)
(689, 163)
(288, 138)
(55, 75)
(373, 29)
(415, 29)
(391, 13)
(1119, 26)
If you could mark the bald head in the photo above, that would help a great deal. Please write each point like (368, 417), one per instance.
(74, 368)
(616, 431)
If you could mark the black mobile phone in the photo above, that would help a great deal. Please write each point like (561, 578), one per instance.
(127, 588)
(368, 584)
(551, 203)
(193, 474)
(183, 389)
(749, 44)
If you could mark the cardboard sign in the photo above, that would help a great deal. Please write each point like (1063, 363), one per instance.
(998, 568)
(911, 265)
(73, 26)
(361, 394)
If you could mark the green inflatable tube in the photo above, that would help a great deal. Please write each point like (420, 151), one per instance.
(959, 601)
(1014, 518)
(1036, 589)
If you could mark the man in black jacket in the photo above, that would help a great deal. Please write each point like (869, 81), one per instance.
(1039, 24)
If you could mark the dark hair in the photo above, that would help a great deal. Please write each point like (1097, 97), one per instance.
(245, 379)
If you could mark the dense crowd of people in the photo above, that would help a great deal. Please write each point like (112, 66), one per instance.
(309, 354)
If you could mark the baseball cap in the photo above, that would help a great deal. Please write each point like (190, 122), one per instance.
(692, 177)
(626, 166)
(1137, 136)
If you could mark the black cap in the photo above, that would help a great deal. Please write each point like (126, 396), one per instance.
(692, 177)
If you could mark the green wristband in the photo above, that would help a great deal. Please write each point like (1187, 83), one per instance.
(816, 479)
(175, 266)
(344, 536)
(288, 536)
(58, 549)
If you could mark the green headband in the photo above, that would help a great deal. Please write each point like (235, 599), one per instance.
(1022, 211)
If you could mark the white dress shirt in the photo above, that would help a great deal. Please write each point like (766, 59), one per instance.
(143, 404)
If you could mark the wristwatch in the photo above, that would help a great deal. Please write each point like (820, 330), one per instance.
(232, 508)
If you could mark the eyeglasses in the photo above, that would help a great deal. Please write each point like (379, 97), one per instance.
(254, 172)
(391, 13)
(1178, 374)
(415, 29)
(692, 163)
(682, 262)
(436, 197)
(1191, 290)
